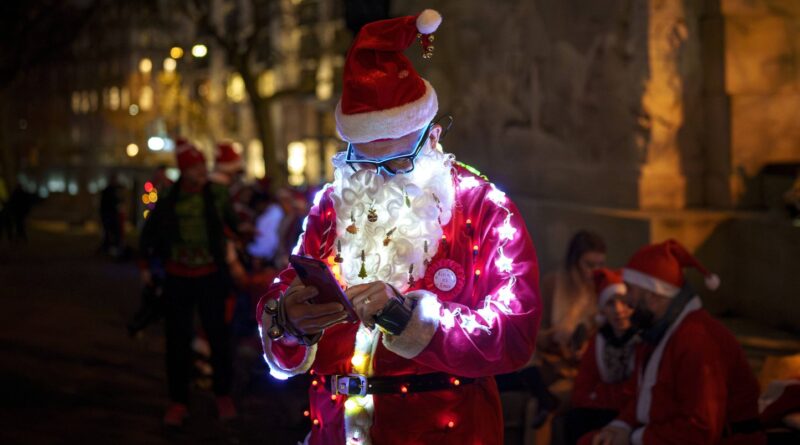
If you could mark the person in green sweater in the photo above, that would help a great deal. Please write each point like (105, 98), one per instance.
(186, 234)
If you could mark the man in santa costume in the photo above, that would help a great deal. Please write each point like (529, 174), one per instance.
(695, 385)
(605, 384)
(436, 261)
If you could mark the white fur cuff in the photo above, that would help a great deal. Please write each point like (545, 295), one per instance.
(276, 368)
(420, 329)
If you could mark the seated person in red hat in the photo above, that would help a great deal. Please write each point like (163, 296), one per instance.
(436, 262)
(605, 382)
(695, 385)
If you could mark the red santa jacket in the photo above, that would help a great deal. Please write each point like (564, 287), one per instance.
(696, 384)
(592, 387)
(483, 326)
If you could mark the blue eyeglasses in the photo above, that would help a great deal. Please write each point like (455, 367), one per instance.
(394, 165)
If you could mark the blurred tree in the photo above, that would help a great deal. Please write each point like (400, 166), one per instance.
(245, 39)
(32, 33)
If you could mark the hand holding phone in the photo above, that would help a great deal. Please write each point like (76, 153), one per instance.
(307, 318)
(315, 274)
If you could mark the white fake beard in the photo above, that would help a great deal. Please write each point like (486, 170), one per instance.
(354, 193)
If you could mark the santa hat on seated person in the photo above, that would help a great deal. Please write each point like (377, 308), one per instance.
(659, 268)
(383, 96)
(187, 154)
(607, 283)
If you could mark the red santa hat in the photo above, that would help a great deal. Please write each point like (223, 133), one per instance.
(659, 268)
(608, 283)
(227, 159)
(188, 155)
(383, 96)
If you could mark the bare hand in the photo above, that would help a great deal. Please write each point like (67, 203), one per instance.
(368, 299)
(612, 435)
(307, 318)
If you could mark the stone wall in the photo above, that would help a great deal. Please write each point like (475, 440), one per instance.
(642, 120)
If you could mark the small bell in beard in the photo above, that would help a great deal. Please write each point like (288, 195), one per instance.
(372, 215)
(352, 229)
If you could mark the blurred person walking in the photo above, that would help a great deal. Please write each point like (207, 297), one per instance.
(186, 231)
(112, 217)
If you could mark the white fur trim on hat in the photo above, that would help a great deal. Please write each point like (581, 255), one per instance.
(388, 124)
(712, 282)
(649, 282)
(609, 291)
(428, 21)
(420, 329)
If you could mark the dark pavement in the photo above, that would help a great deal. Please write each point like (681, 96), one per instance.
(70, 374)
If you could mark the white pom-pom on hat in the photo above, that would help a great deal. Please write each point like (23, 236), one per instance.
(428, 21)
(712, 281)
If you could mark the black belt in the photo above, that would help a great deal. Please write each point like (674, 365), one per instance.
(748, 426)
(359, 385)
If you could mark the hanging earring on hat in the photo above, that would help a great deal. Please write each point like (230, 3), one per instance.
(363, 272)
(426, 41)
(411, 275)
(372, 214)
(352, 227)
(427, 260)
(406, 199)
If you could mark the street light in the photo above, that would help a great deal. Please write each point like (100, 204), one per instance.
(155, 143)
(176, 52)
(132, 150)
(199, 50)
(145, 65)
(170, 64)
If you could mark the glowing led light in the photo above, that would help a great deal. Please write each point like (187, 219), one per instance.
(404, 389)
(176, 52)
(199, 50)
(497, 196)
(148, 186)
(316, 422)
(153, 197)
(314, 382)
(506, 231)
(505, 295)
(146, 199)
(477, 272)
(350, 405)
(451, 424)
(504, 263)
(358, 360)
(145, 65)
(132, 150)
(334, 397)
(456, 382)
(306, 413)
(468, 182)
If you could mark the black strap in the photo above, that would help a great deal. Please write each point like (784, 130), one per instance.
(748, 426)
(411, 383)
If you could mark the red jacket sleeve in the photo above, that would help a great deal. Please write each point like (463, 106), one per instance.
(584, 389)
(286, 358)
(492, 329)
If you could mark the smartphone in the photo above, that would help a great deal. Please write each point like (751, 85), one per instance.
(313, 272)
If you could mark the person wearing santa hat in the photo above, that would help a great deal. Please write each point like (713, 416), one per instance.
(435, 260)
(695, 384)
(604, 384)
(186, 233)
